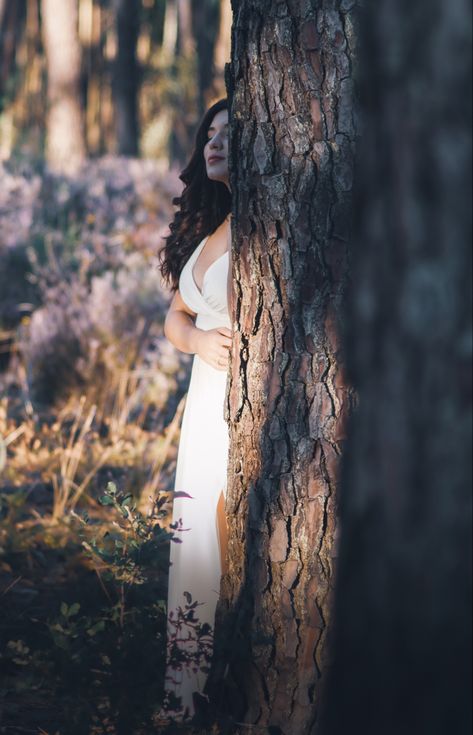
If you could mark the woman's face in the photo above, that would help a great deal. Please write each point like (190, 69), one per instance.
(216, 148)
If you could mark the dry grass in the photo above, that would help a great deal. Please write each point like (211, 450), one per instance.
(152, 487)
(71, 453)
(68, 452)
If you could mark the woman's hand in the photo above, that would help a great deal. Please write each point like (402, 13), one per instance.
(213, 346)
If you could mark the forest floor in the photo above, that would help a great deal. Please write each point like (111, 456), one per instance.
(91, 397)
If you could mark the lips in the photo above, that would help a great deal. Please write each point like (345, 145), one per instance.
(215, 159)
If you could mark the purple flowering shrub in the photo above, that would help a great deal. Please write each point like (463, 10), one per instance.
(86, 297)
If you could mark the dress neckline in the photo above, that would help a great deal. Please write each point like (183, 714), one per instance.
(198, 251)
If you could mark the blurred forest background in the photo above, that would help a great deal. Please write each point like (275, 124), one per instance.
(99, 102)
(120, 76)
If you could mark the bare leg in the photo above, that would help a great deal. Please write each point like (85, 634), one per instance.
(222, 533)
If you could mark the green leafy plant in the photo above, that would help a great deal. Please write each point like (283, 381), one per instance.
(104, 656)
(135, 550)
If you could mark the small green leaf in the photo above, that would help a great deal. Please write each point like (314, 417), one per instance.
(106, 500)
(96, 628)
(64, 609)
(57, 627)
(74, 609)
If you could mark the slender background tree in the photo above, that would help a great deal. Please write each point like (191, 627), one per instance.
(403, 605)
(126, 76)
(11, 17)
(291, 159)
(65, 145)
(170, 29)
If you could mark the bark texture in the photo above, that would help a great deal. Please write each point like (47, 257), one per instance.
(65, 146)
(291, 157)
(126, 76)
(402, 641)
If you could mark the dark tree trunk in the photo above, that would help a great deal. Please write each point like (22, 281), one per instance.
(12, 17)
(205, 21)
(8, 33)
(291, 160)
(65, 145)
(402, 641)
(126, 76)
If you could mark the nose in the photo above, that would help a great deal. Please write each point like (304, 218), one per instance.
(216, 141)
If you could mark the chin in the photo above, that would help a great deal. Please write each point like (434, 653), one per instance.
(216, 177)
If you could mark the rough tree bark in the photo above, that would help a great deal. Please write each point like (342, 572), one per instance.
(291, 158)
(65, 146)
(126, 76)
(402, 641)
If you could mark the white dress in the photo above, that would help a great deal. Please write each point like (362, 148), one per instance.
(201, 473)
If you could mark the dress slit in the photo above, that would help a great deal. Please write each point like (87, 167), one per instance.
(197, 562)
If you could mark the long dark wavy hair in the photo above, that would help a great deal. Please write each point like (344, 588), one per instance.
(203, 205)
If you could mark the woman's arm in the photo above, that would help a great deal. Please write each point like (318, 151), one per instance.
(211, 345)
(179, 327)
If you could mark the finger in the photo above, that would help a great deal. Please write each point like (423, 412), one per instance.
(226, 342)
(225, 330)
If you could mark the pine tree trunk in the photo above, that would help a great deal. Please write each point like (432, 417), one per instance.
(223, 42)
(291, 158)
(170, 31)
(12, 18)
(205, 17)
(65, 147)
(126, 77)
(402, 642)
(186, 36)
(186, 110)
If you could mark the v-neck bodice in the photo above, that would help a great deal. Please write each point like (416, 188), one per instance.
(210, 304)
(203, 243)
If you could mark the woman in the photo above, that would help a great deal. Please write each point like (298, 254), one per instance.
(195, 260)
